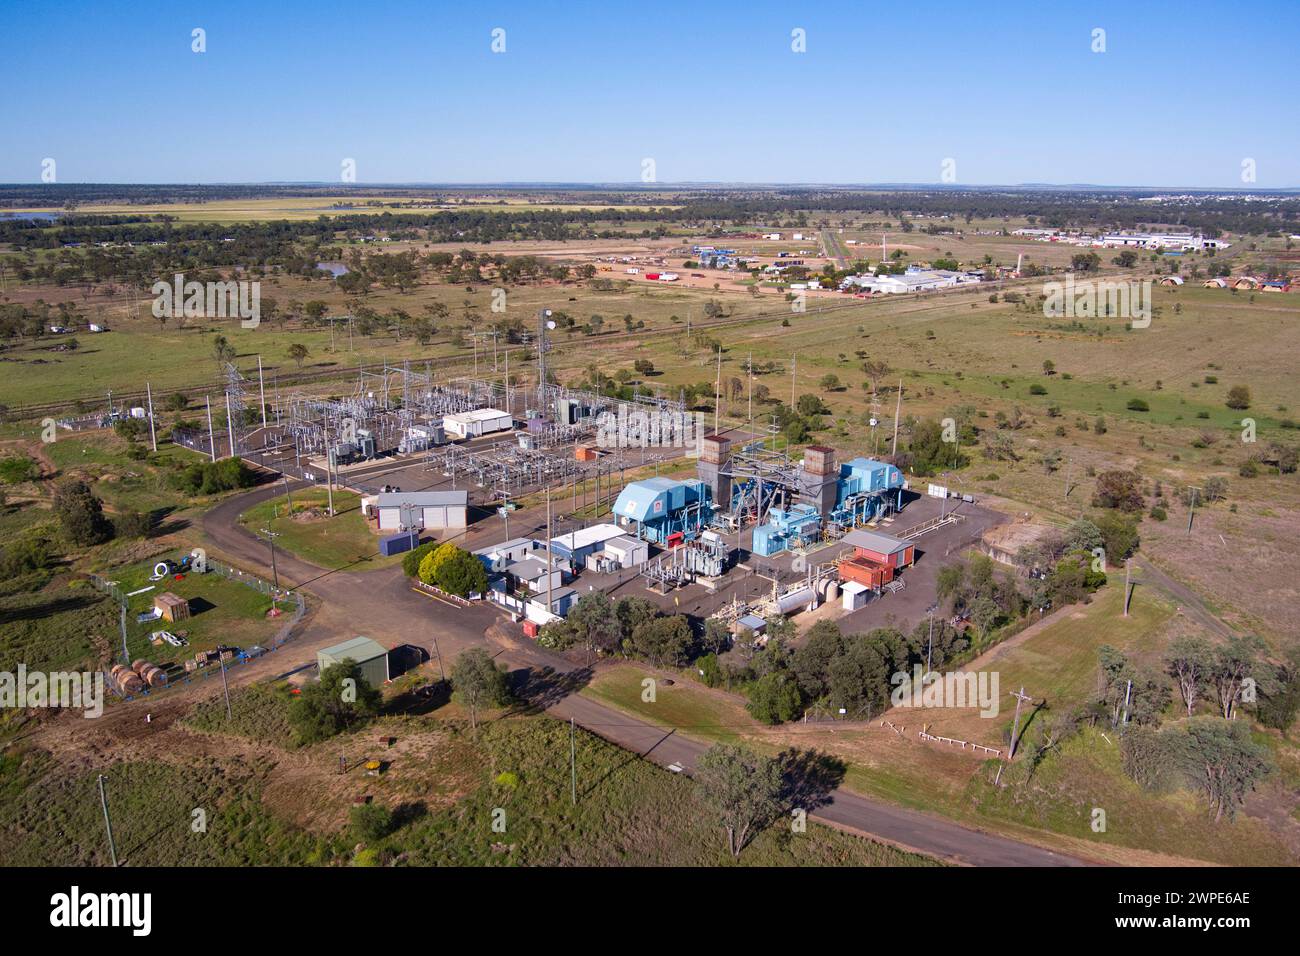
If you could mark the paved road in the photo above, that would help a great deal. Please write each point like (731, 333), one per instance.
(382, 603)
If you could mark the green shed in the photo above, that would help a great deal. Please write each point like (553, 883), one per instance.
(370, 656)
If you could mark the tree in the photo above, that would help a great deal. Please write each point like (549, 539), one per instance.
(595, 623)
(370, 821)
(774, 698)
(1238, 397)
(222, 350)
(338, 701)
(81, 514)
(1119, 535)
(1219, 758)
(1189, 662)
(1118, 489)
(663, 641)
(742, 788)
(875, 370)
(462, 574)
(829, 382)
(298, 352)
(477, 682)
(1230, 665)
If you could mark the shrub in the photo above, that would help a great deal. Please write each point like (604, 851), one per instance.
(17, 469)
(1138, 405)
(370, 822)
(412, 559)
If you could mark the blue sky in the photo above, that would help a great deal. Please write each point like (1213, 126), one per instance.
(710, 92)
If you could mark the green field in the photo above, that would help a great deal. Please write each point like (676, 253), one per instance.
(343, 541)
(443, 781)
(223, 611)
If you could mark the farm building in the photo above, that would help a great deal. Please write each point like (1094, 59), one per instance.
(370, 656)
(1216, 283)
(1172, 280)
(421, 510)
(482, 421)
(171, 607)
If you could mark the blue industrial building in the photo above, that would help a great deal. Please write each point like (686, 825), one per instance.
(865, 489)
(657, 508)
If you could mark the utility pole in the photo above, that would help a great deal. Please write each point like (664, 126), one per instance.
(153, 435)
(441, 673)
(1192, 507)
(230, 425)
(212, 441)
(225, 688)
(1021, 697)
(1069, 467)
(550, 577)
(270, 537)
(794, 368)
(898, 410)
(573, 761)
(717, 393)
(930, 646)
(126, 656)
(108, 823)
(1128, 593)
(261, 388)
(749, 369)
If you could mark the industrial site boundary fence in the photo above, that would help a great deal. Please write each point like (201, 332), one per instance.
(281, 637)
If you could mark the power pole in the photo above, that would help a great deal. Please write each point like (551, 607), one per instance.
(550, 577)
(1191, 508)
(108, 823)
(153, 435)
(230, 426)
(212, 441)
(225, 688)
(270, 537)
(1021, 697)
(898, 410)
(573, 762)
(749, 369)
(1128, 593)
(794, 368)
(441, 673)
(717, 393)
(126, 656)
(261, 388)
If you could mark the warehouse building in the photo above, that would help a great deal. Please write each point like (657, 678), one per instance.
(482, 421)
(422, 510)
(370, 656)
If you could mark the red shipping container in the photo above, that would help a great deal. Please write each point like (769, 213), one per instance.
(652, 275)
(531, 629)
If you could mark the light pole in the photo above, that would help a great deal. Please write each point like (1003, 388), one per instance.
(270, 537)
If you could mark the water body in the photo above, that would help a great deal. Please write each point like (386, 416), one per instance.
(32, 216)
(335, 269)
